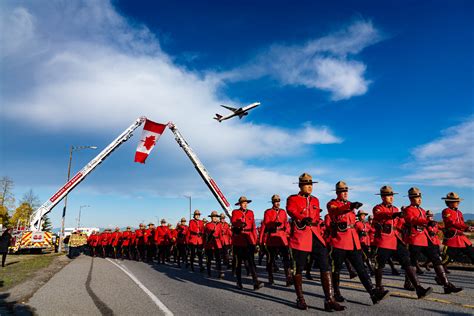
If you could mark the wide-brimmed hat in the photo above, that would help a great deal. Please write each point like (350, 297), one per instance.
(361, 212)
(150, 224)
(183, 219)
(429, 213)
(163, 221)
(222, 215)
(275, 198)
(414, 192)
(196, 212)
(128, 227)
(306, 178)
(452, 197)
(214, 214)
(386, 190)
(243, 199)
(341, 186)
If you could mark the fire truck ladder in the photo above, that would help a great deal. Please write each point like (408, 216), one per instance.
(37, 216)
(211, 184)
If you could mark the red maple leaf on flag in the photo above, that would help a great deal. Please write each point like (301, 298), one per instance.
(149, 142)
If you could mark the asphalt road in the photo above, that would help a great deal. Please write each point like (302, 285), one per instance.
(113, 287)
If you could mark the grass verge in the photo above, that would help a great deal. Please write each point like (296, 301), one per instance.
(19, 268)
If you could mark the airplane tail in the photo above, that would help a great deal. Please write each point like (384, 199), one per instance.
(218, 117)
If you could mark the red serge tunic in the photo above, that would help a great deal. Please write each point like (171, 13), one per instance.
(454, 225)
(390, 227)
(93, 240)
(363, 228)
(244, 219)
(226, 234)
(115, 238)
(416, 219)
(299, 207)
(273, 229)
(342, 215)
(212, 233)
(126, 236)
(195, 231)
(162, 236)
(182, 232)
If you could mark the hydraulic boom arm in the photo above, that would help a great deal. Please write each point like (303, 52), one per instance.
(36, 217)
(201, 170)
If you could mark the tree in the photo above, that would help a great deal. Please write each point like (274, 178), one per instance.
(4, 217)
(47, 225)
(22, 215)
(32, 199)
(7, 199)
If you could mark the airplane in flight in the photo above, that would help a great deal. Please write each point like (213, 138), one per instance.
(240, 112)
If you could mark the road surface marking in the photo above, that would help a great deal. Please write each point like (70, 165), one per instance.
(155, 299)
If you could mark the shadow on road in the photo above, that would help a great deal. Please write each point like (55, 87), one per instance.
(9, 307)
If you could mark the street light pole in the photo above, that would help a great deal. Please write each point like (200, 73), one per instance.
(61, 236)
(79, 218)
(190, 198)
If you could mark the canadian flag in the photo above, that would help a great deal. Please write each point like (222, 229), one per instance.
(151, 133)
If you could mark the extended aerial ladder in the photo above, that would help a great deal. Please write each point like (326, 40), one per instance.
(37, 216)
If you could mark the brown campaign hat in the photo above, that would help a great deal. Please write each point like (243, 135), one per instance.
(196, 212)
(386, 190)
(150, 224)
(243, 199)
(306, 178)
(214, 214)
(361, 212)
(163, 221)
(452, 197)
(414, 192)
(341, 186)
(222, 215)
(183, 219)
(429, 213)
(275, 198)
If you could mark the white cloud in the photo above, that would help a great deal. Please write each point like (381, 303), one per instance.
(325, 63)
(448, 160)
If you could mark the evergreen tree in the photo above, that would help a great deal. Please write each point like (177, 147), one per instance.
(47, 225)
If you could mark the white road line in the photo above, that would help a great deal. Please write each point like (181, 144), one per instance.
(155, 299)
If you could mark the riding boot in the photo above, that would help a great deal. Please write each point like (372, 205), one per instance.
(418, 269)
(378, 279)
(443, 279)
(256, 283)
(392, 267)
(420, 291)
(238, 273)
(330, 302)
(289, 277)
(270, 275)
(407, 285)
(337, 293)
(300, 302)
(350, 269)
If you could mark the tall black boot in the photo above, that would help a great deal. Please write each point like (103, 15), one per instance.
(330, 302)
(420, 291)
(256, 283)
(300, 302)
(337, 293)
(443, 279)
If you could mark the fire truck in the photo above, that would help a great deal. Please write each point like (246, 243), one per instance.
(34, 238)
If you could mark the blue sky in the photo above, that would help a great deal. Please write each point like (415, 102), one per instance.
(371, 93)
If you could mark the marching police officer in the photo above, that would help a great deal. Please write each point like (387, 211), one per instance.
(213, 243)
(306, 239)
(244, 241)
(420, 241)
(346, 244)
(194, 239)
(273, 237)
(389, 240)
(182, 230)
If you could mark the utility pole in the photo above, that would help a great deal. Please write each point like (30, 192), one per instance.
(190, 198)
(79, 218)
(61, 235)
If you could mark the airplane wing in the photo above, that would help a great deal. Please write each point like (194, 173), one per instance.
(230, 108)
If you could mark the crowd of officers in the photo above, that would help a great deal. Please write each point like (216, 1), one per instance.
(301, 238)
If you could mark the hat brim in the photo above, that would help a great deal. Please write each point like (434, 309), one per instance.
(362, 213)
(342, 190)
(309, 182)
(413, 195)
(386, 194)
(452, 200)
(213, 216)
(248, 201)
